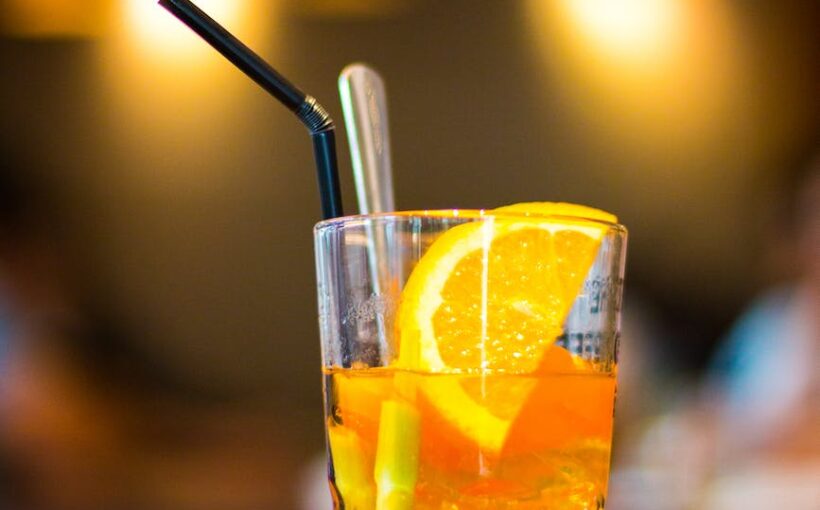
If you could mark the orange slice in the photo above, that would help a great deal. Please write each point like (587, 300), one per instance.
(492, 296)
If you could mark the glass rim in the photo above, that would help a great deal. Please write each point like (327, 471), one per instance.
(450, 214)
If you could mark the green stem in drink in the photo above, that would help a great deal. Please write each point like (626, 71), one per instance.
(397, 453)
(351, 474)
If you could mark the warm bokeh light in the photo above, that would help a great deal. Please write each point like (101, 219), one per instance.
(667, 113)
(651, 74)
(168, 84)
(160, 33)
(627, 28)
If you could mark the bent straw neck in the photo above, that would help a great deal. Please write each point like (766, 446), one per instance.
(309, 111)
(314, 116)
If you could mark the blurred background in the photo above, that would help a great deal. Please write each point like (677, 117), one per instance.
(158, 338)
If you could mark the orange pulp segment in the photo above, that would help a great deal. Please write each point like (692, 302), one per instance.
(492, 296)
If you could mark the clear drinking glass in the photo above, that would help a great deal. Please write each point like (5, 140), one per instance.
(469, 358)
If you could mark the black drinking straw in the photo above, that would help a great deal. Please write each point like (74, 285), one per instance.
(305, 107)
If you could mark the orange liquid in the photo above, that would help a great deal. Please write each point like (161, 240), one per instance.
(555, 454)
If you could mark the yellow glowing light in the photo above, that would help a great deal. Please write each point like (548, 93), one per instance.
(659, 75)
(158, 31)
(627, 28)
(167, 93)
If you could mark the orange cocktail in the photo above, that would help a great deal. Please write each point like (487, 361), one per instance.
(486, 380)
(556, 455)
